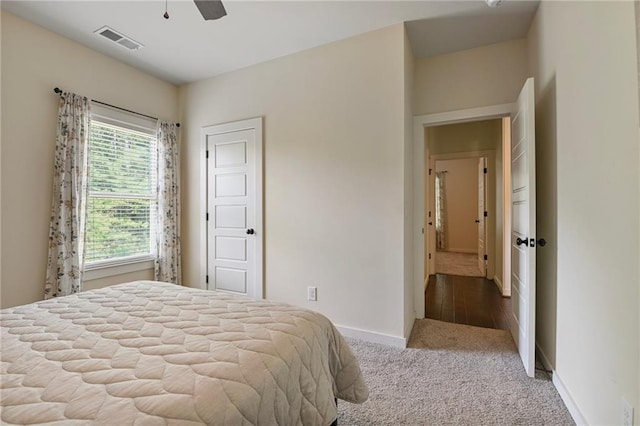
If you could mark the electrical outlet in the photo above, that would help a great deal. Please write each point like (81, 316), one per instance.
(627, 413)
(312, 293)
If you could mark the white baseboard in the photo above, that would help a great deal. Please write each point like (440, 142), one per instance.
(498, 283)
(561, 388)
(568, 401)
(373, 337)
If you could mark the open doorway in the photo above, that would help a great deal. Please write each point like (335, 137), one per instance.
(464, 176)
(460, 225)
(518, 240)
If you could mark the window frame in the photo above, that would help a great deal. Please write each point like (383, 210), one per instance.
(123, 265)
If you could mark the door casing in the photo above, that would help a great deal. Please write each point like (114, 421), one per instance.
(421, 192)
(490, 201)
(485, 206)
(254, 124)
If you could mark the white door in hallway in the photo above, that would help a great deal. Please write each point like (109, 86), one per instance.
(234, 207)
(523, 226)
(482, 220)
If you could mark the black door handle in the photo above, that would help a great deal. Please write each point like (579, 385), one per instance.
(541, 242)
(477, 220)
(250, 231)
(430, 223)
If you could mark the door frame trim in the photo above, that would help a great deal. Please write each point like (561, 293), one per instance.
(490, 246)
(420, 122)
(216, 129)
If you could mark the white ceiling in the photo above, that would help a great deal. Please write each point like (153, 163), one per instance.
(186, 48)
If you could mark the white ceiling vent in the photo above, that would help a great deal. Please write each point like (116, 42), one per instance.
(119, 38)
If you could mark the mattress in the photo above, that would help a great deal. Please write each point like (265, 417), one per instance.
(155, 353)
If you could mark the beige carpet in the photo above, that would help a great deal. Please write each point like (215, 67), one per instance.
(462, 264)
(451, 374)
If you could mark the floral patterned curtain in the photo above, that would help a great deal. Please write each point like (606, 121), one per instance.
(68, 212)
(167, 264)
(441, 210)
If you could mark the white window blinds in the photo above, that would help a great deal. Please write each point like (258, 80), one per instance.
(122, 193)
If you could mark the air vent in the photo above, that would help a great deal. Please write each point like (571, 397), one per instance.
(119, 38)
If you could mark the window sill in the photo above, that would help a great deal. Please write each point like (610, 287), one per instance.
(110, 268)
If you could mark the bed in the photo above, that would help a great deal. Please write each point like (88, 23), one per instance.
(155, 353)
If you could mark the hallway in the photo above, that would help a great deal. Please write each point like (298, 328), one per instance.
(466, 300)
(463, 264)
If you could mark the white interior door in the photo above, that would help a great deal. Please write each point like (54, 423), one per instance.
(523, 226)
(234, 207)
(482, 221)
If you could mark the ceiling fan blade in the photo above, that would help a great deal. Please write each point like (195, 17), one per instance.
(210, 9)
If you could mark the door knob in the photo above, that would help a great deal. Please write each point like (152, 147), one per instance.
(542, 242)
(477, 220)
(520, 241)
(250, 231)
(430, 223)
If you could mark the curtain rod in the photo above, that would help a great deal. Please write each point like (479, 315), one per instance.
(59, 91)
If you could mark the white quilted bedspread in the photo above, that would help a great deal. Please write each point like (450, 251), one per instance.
(156, 353)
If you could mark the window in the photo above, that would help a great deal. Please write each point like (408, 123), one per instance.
(121, 205)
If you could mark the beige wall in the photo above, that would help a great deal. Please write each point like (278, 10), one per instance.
(462, 204)
(487, 75)
(587, 134)
(334, 175)
(409, 311)
(34, 61)
(483, 135)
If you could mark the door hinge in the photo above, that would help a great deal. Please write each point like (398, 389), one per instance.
(423, 230)
(486, 214)
(207, 217)
(206, 279)
(429, 256)
(485, 170)
(207, 154)
(429, 214)
(429, 172)
(486, 257)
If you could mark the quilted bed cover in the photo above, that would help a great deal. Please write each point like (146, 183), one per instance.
(156, 353)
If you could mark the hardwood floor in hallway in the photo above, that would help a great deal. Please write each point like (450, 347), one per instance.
(467, 300)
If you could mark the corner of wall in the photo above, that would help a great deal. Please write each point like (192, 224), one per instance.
(409, 292)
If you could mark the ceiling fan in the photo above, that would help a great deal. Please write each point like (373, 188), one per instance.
(209, 9)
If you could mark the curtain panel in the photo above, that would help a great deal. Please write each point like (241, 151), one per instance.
(70, 171)
(441, 210)
(168, 252)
